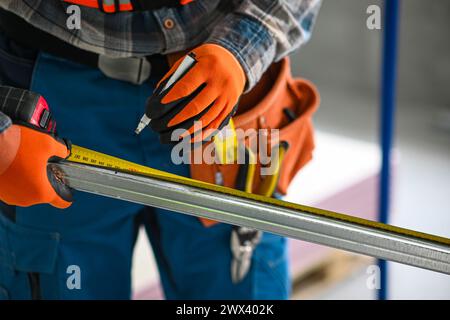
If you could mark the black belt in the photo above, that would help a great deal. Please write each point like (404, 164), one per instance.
(27, 35)
(150, 5)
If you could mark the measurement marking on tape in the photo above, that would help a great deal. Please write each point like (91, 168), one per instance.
(90, 157)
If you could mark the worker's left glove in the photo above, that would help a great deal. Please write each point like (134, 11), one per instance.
(25, 179)
(208, 92)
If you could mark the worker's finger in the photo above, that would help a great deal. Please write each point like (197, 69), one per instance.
(162, 114)
(170, 72)
(205, 120)
(218, 123)
(175, 134)
(187, 84)
(204, 99)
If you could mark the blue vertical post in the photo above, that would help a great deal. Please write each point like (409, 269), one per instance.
(388, 101)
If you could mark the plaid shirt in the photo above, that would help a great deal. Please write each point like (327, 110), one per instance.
(5, 122)
(257, 32)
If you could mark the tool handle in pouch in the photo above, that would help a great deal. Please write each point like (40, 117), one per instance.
(225, 143)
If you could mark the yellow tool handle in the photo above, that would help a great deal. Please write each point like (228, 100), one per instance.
(225, 143)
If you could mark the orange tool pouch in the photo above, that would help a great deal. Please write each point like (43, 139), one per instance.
(266, 107)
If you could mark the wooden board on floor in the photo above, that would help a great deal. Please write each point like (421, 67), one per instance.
(335, 267)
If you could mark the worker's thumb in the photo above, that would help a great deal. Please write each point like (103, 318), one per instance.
(63, 193)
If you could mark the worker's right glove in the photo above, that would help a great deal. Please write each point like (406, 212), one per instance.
(25, 179)
(203, 100)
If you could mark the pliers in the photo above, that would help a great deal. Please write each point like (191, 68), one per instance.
(244, 240)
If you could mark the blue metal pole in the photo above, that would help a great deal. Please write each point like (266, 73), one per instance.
(388, 101)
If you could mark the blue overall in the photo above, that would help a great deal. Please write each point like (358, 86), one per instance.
(97, 234)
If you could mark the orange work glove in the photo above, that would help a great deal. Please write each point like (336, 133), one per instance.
(208, 92)
(24, 177)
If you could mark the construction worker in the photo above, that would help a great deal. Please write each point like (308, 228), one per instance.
(97, 80)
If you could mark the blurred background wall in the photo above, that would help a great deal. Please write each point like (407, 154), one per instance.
(343, 53)
(343, 59)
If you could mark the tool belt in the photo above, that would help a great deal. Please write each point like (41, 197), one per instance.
(279, 101)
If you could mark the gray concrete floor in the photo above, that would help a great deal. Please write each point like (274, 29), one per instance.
(421, 186)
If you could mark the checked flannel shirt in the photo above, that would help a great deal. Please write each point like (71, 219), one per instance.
(257, 32)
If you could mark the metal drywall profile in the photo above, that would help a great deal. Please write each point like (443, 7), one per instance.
(359, 236)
